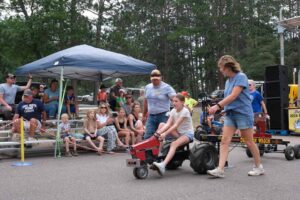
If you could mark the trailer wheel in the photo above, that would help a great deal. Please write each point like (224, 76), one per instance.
(140, 172)
(297, 151)
(289, 153)
(203, 157)
(248, 152)
(261, 149)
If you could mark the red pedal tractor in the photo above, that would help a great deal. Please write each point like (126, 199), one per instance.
(202, 156)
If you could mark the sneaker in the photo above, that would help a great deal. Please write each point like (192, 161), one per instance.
(160, 167)
(257, 171)
(68, 154)
(75, 153)
(217, 172)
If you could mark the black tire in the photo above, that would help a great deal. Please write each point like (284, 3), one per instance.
(140, 172)
(203, 157)
(248, 152)
(289, 153)
(297, 151)
(174, 164)
(261, 148)
(199, 131)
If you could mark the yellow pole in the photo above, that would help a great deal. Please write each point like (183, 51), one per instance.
(22, 139)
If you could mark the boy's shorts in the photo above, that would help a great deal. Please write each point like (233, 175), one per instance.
(87, 135)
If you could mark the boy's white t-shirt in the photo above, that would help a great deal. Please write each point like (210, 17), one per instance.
(186, 125)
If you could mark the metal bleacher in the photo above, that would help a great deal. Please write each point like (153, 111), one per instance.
(10, 142)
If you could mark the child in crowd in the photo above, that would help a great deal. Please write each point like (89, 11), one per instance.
(105, 125)
(135, 126)
(90, 129)
(65, 128)
(121, 126)
(102, 96)
(139, 126)
(121, 99)
(180, 126)
(71, 102)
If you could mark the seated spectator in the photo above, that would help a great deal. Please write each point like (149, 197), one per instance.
(128, 104)
(42, 90)
(36, 93)
(135, 124)
(71, 103)
(32, 110)
(141, 99)
(105, 125)
(121, 100)
(102, 96)
(90, 129)
(67, 137)
(8, 93)
(121, 126)
(51, 98)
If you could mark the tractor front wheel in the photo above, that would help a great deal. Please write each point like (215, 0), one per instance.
(140, 172)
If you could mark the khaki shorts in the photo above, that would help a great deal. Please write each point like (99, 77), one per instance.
(27, 126)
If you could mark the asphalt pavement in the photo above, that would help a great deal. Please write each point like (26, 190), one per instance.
(90, 176)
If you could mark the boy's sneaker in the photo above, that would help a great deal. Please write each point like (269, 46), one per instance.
(75, 153)
(257, 171)
(68, 154)
(160, 167)
(217, 172)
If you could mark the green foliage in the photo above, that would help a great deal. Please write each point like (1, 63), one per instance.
(184, 38)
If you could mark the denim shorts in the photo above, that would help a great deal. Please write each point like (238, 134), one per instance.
(190, 135)
(238, 120)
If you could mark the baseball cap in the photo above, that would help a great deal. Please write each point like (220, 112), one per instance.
(27, 92)
(155, 74)
(184, 93)
(118, 80)
(10, 75)
(122, 90)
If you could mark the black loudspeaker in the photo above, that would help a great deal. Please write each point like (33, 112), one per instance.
(276, 95)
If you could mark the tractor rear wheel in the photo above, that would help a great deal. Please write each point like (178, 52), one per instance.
(203, 157)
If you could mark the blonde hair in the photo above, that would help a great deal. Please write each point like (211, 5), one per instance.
(88, 122)
(65, 115)
(229, 62)
(88, 114)
(107, 108)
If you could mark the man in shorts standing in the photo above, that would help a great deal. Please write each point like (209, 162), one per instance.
(157, 102)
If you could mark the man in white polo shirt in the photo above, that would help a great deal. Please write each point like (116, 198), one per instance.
(157, 102)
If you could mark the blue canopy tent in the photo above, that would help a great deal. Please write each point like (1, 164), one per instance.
(84, 62)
